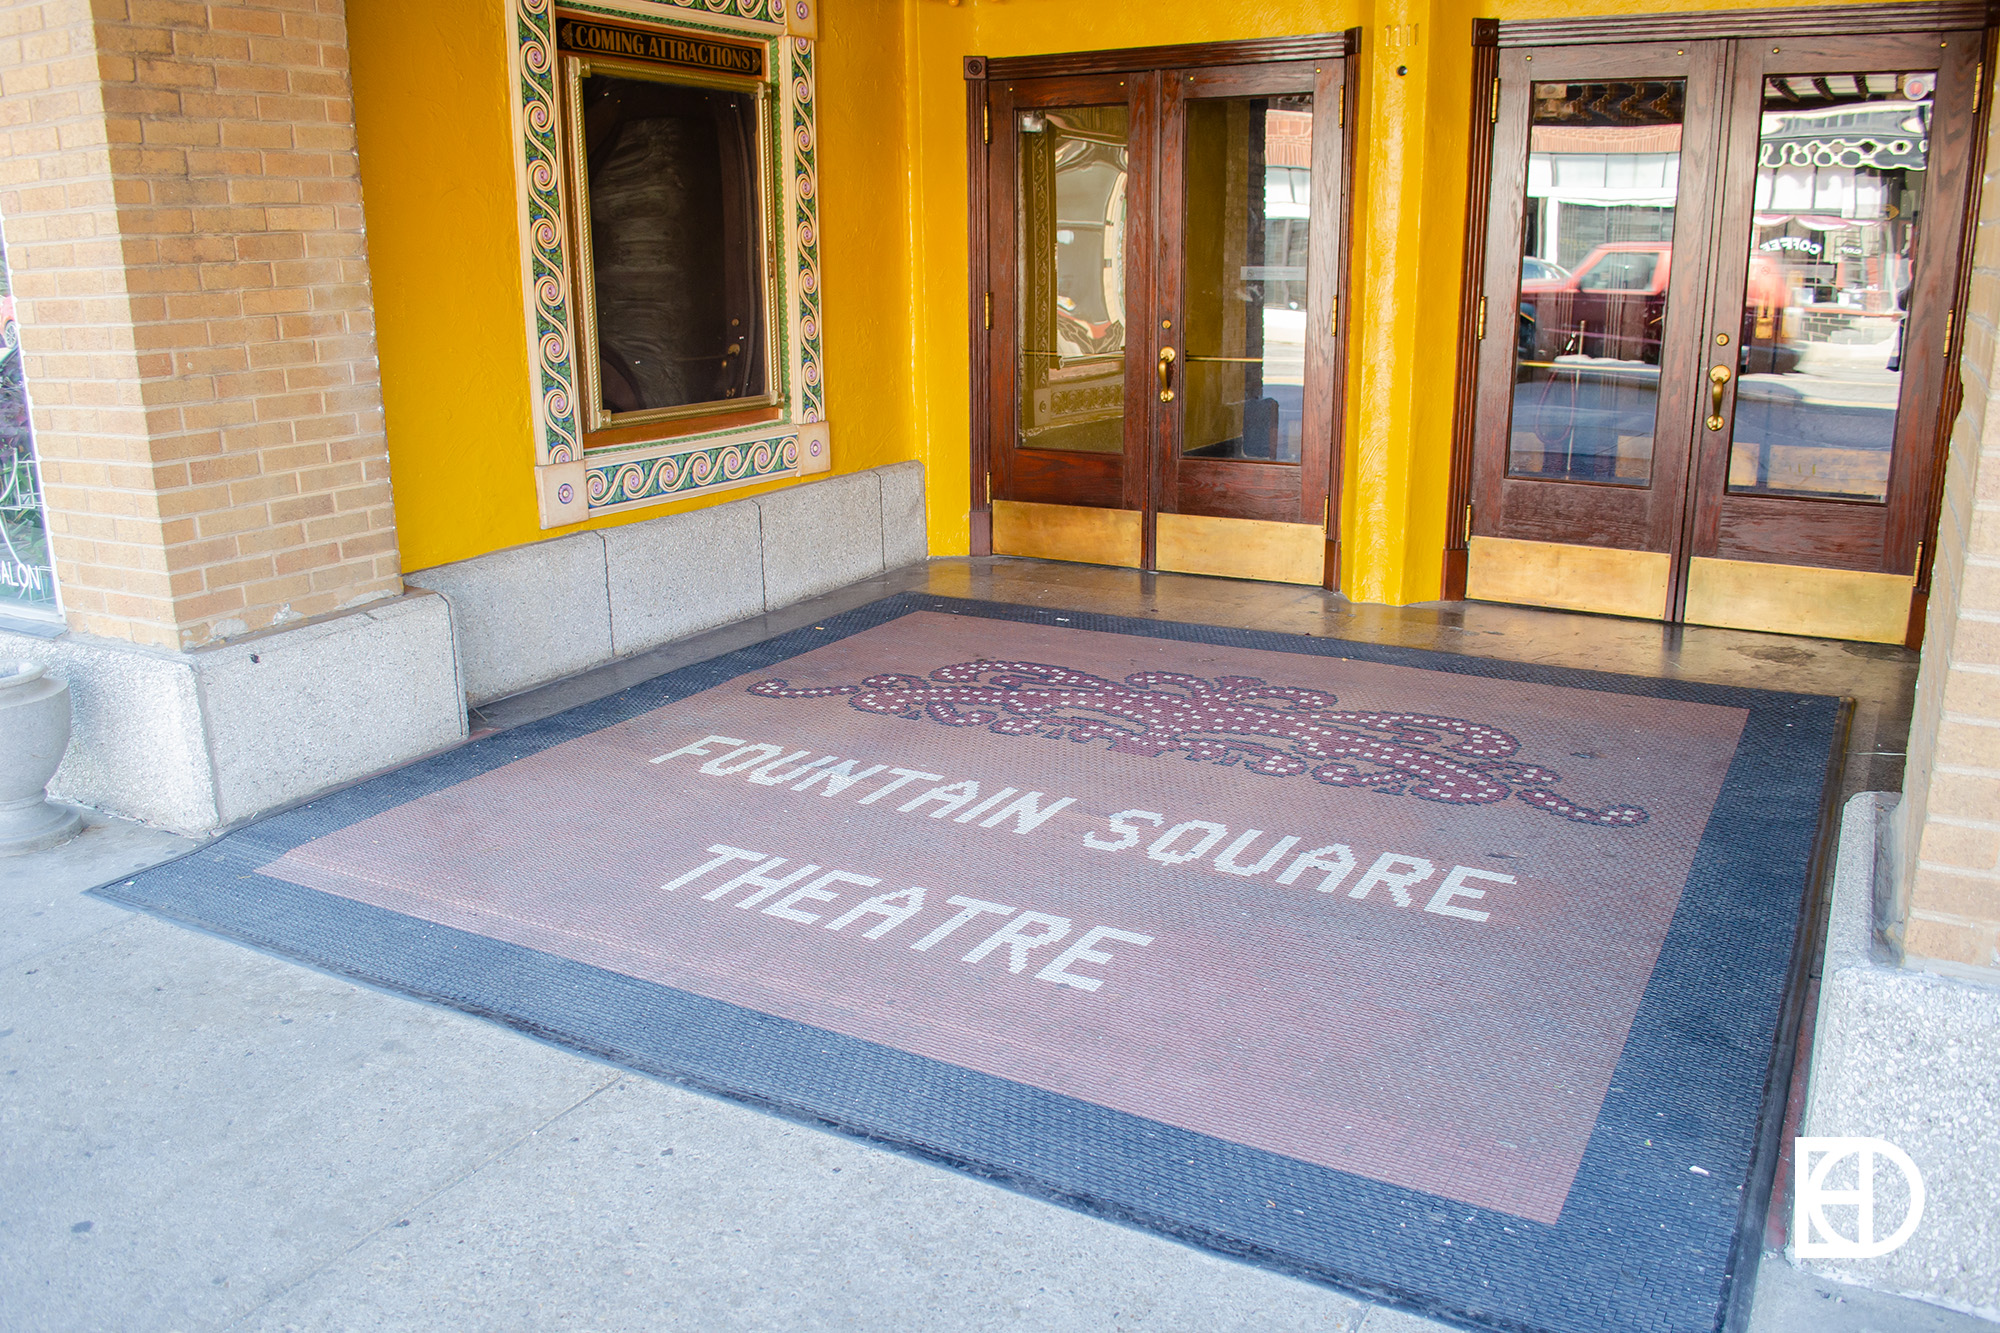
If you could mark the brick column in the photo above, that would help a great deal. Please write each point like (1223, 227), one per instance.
(1951, 791)
(183, 219)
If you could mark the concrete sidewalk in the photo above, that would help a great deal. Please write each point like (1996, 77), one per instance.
(196, 1135)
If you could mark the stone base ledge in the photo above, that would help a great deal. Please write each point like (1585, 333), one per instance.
(196, 741)
(1914, 1058)
(532, 614)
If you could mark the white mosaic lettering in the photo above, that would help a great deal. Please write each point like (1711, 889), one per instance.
(973, 907)
(749, 755)
(698, 747)
(840, 777)
(1398, 882)
(1026, 813)
(949, 798)
(1162, 848)
(1014, 935)
(1227, 863)
(1336, 870)
(985, 805)
(787, 908)
(763, 883)
(1128, 832)
(723, 856)
(764, 777)
(1083, 952)
(1454, 887)
(904, 776)
(886, 906)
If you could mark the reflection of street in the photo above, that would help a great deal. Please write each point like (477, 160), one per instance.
(1284, 346)
(1827, 428)
(1585, 419)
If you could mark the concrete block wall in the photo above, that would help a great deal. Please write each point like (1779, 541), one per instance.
(1915, 1059)
(194, 741)
(183, 220)
(537, 613)
(1946, 903)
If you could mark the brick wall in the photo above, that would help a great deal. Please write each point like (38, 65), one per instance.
(183, 220)
(1951, 806)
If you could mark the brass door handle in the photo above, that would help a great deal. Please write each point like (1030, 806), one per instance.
(1718, 380)
(1166, 374)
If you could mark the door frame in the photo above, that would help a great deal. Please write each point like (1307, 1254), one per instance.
(983, 295)
(1489, 36)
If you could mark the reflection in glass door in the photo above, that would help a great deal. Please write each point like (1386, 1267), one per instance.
(1075, 166)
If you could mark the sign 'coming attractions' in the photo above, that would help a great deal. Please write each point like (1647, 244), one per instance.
(682, 50)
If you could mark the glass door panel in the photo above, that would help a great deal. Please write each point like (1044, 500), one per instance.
(1842, 166)
(1075, 168)
(1596, 256)
(1245, 244)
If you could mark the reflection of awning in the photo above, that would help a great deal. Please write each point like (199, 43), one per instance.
(1879, 152)
(1601, 196)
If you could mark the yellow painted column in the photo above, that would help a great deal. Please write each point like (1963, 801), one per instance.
(1387, 374)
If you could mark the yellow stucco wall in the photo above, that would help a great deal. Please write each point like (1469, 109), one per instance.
(891, 106)
(432, 85)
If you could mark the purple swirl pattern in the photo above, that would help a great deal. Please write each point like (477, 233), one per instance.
(1274, 730)
(805, 233)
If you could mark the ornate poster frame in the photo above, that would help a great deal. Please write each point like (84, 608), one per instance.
(573, 480)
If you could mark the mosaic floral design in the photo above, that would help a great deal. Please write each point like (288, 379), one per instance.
(1275, 730)
(798, 162)
(694, 470)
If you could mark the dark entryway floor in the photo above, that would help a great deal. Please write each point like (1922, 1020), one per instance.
(1880, 679)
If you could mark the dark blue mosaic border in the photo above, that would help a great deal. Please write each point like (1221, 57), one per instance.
(1644, 1242)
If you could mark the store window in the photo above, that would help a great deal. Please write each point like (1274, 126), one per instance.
(670, 242)
(27, 576)
(669, 209)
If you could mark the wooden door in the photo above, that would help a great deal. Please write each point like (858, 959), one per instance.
(1848, 167)
(1714, 378)
(1071, 177)
(1587, 366)
(1161, 239)
(1252, 243)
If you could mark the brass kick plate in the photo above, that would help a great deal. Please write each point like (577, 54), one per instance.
(1080, 533)
(1799, 599)
(1573, 578)
(1240, 548)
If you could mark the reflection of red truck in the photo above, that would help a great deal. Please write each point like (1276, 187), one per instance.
(1613, 305)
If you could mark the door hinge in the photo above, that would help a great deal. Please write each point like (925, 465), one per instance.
(989, 311)
(989, 489)
(985, 122)
(1917, 570)
(1978, 84)
(1325, 513)
(1468, 525)
(1479, 334)
(1333, 317)
(1340, 116)
(1948, 314)
(1493, 110)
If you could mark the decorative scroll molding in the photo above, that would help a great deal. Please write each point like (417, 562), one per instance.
(622, 476)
